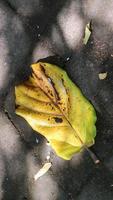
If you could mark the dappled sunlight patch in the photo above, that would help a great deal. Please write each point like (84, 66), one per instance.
(71, 24)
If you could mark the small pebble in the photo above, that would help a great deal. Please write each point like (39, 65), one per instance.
(48, 157)
(67, 58)
(37, 141)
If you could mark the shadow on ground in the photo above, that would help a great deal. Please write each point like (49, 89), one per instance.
(33, 30)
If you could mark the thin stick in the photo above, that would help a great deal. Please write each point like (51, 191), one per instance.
(9, 117)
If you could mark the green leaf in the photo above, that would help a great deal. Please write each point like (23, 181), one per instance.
(87, 34)
(55, 107)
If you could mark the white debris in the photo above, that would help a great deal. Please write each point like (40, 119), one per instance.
(48, 157)
(67, 58)
(102, 76)
(42, 171)
(37, 141)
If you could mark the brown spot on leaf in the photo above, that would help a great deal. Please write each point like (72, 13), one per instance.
(58, 120)
(40, 78)
(49, 91)
(62, 81)
(42, 68)
(56, 93)
(17, 106)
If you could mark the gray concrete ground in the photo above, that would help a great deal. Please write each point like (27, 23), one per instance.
(35, 29)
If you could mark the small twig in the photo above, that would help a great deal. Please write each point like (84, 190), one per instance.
(9, 117)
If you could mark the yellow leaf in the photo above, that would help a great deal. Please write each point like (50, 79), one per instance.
(55, 107)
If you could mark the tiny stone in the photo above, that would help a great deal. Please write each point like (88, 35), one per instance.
(48, 157)
(106, 99)
(38, 26)
(39, 35)
(37, 141)
(67, 58)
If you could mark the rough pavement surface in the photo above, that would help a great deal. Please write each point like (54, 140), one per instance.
(35, 29)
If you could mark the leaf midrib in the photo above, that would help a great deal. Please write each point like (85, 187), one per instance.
(55, 104)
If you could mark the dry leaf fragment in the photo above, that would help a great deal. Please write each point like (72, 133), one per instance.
(87, 34)
(103, 75)
(42, 171)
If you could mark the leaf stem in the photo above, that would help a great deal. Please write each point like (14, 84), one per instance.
(93, 156)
